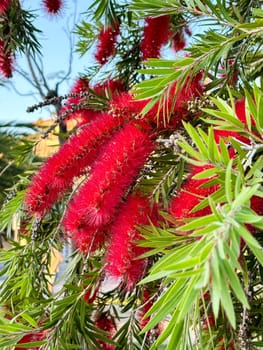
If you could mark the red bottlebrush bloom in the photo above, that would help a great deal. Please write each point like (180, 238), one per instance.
(257, 204)
(57, 174)
(6, 61)
(107, 324)
(4, 5)
(115, 170)
(87, 239)
(31, 338)
(178, 100)
(122, 248)
(107, 43)
(124, 105)
(209, 322)
(53, 6)
(191, 195)
(156, 34)
(109, 88)
(178, 41)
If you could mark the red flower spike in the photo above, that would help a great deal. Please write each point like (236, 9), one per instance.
(53, 6)
(86, 238)
(124, 105)
(115, 170)
(107, 43)
(156, 34)
(31, 338)
(4, 6)
(105, 323)
(122, 248)
(6, 61)
(109, 88)
(178, 41)
(190, 195)
(257, 204)
(209, 322)
(57, 174)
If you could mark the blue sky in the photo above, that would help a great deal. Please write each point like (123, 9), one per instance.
(55, 48)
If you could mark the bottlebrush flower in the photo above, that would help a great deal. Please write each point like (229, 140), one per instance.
(109, 88)
(156, 34)
(4, 5)
(164, 115)
(31, 338)
(107, 324)
(115, 170)
(209, 322)
(57, 174)
(257, 204)
(107, 43)
(87, 239)
(191, 195)
(53, 6)
(178, 41)
(6, 60)
(122, 249)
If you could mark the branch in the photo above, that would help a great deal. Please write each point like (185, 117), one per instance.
(40, 71)
(29, 93)
(34, 76)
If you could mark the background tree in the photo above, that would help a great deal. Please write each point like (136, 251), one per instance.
(160, 187)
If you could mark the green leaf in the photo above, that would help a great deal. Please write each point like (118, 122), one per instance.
(244, 196)
(31, 345)
(228, 182)
(226, 300)
(234, 283)
(195, 136)
(175, 337)
(199, 222)
(165, 304)
(248, 238)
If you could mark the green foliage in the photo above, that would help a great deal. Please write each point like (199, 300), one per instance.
(18, 31)
(205, 273)
(16, 152)
(205, 257)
